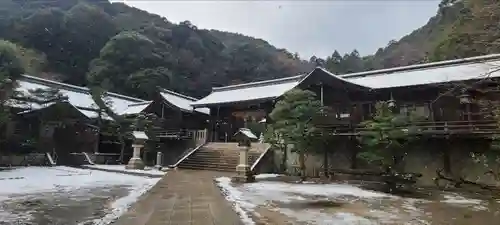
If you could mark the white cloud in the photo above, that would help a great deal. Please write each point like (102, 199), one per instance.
(307, 27)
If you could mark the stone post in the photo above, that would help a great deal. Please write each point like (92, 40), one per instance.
(136, 161)
(261, 138)
(243, 172)
(159, 160)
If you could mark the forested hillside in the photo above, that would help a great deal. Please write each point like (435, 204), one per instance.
(131, 51)
(461, 28)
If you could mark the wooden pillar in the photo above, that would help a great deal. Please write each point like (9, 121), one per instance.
(322, 95)
(162, 110)
(211, 126)
(216, 129)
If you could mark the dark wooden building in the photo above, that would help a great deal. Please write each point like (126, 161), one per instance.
(445, 94)
(179, 118)
(73, 123)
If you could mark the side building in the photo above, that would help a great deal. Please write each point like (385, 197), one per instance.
(58, 118)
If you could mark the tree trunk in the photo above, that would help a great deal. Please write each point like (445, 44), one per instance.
(325, 162)
(284, 159)
(122, 148)
(302, 164)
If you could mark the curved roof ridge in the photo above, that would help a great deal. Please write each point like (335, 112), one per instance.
(422, 66)
(178, 94)
(260, 83)
(70, 87)
(140, 103)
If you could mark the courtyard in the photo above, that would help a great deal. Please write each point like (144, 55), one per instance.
(66, 195)
(276, 200)
(73, 196)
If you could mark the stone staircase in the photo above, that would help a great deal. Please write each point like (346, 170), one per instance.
(220, 157)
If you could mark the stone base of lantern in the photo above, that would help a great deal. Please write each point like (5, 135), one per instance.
(135, 163)
(243, 174)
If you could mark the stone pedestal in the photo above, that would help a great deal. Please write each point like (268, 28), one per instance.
(159, 160)
(136, 161)
(243, 172)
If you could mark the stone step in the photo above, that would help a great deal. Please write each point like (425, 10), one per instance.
(220, 152)
(211, 169)
(202, 161)
(223, 166)
(231, 165)
(224, 153)
(219, 157)
(250, 162)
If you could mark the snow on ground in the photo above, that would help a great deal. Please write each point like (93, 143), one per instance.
(357, 205)
(36, 184)
(121, 168)
(267, 175)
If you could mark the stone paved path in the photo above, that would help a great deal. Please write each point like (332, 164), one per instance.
(183, 197)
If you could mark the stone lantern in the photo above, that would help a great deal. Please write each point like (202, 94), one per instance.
(465, 98)
(140, 139)
(391, 102)
(244, 136)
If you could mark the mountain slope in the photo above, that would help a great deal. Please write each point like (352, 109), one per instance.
(132, 51)
(143, 50)
(461, 28)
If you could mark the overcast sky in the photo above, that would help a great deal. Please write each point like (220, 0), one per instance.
(307, 27)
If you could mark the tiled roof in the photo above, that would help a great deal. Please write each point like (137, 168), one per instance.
(429, 73)
(422, 74)
(181, 101)
(251, 91)
(136, 108)
(79, 97)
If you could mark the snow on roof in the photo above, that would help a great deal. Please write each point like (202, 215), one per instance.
(422, 74)
(136, 108)
(182, 101)
(430, 73)
(247, 132)
(78, 96)
(91, 114)
(251, 91)
(141, 135)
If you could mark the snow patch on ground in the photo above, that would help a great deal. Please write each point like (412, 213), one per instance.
(458, 200)
(236, 197)
(31, 182)
(358, 206)
(121, 168)
(248, 196)
(121, 205)
(267, 175)
(325, 190)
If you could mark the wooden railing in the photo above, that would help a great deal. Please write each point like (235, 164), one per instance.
(471, 127)
(198, 135)
(175, 134)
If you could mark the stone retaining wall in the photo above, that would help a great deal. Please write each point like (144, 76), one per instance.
(425, 157)
(32, 159)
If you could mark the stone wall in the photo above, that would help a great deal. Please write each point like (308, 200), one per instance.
(453, 156)
(32, 159)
